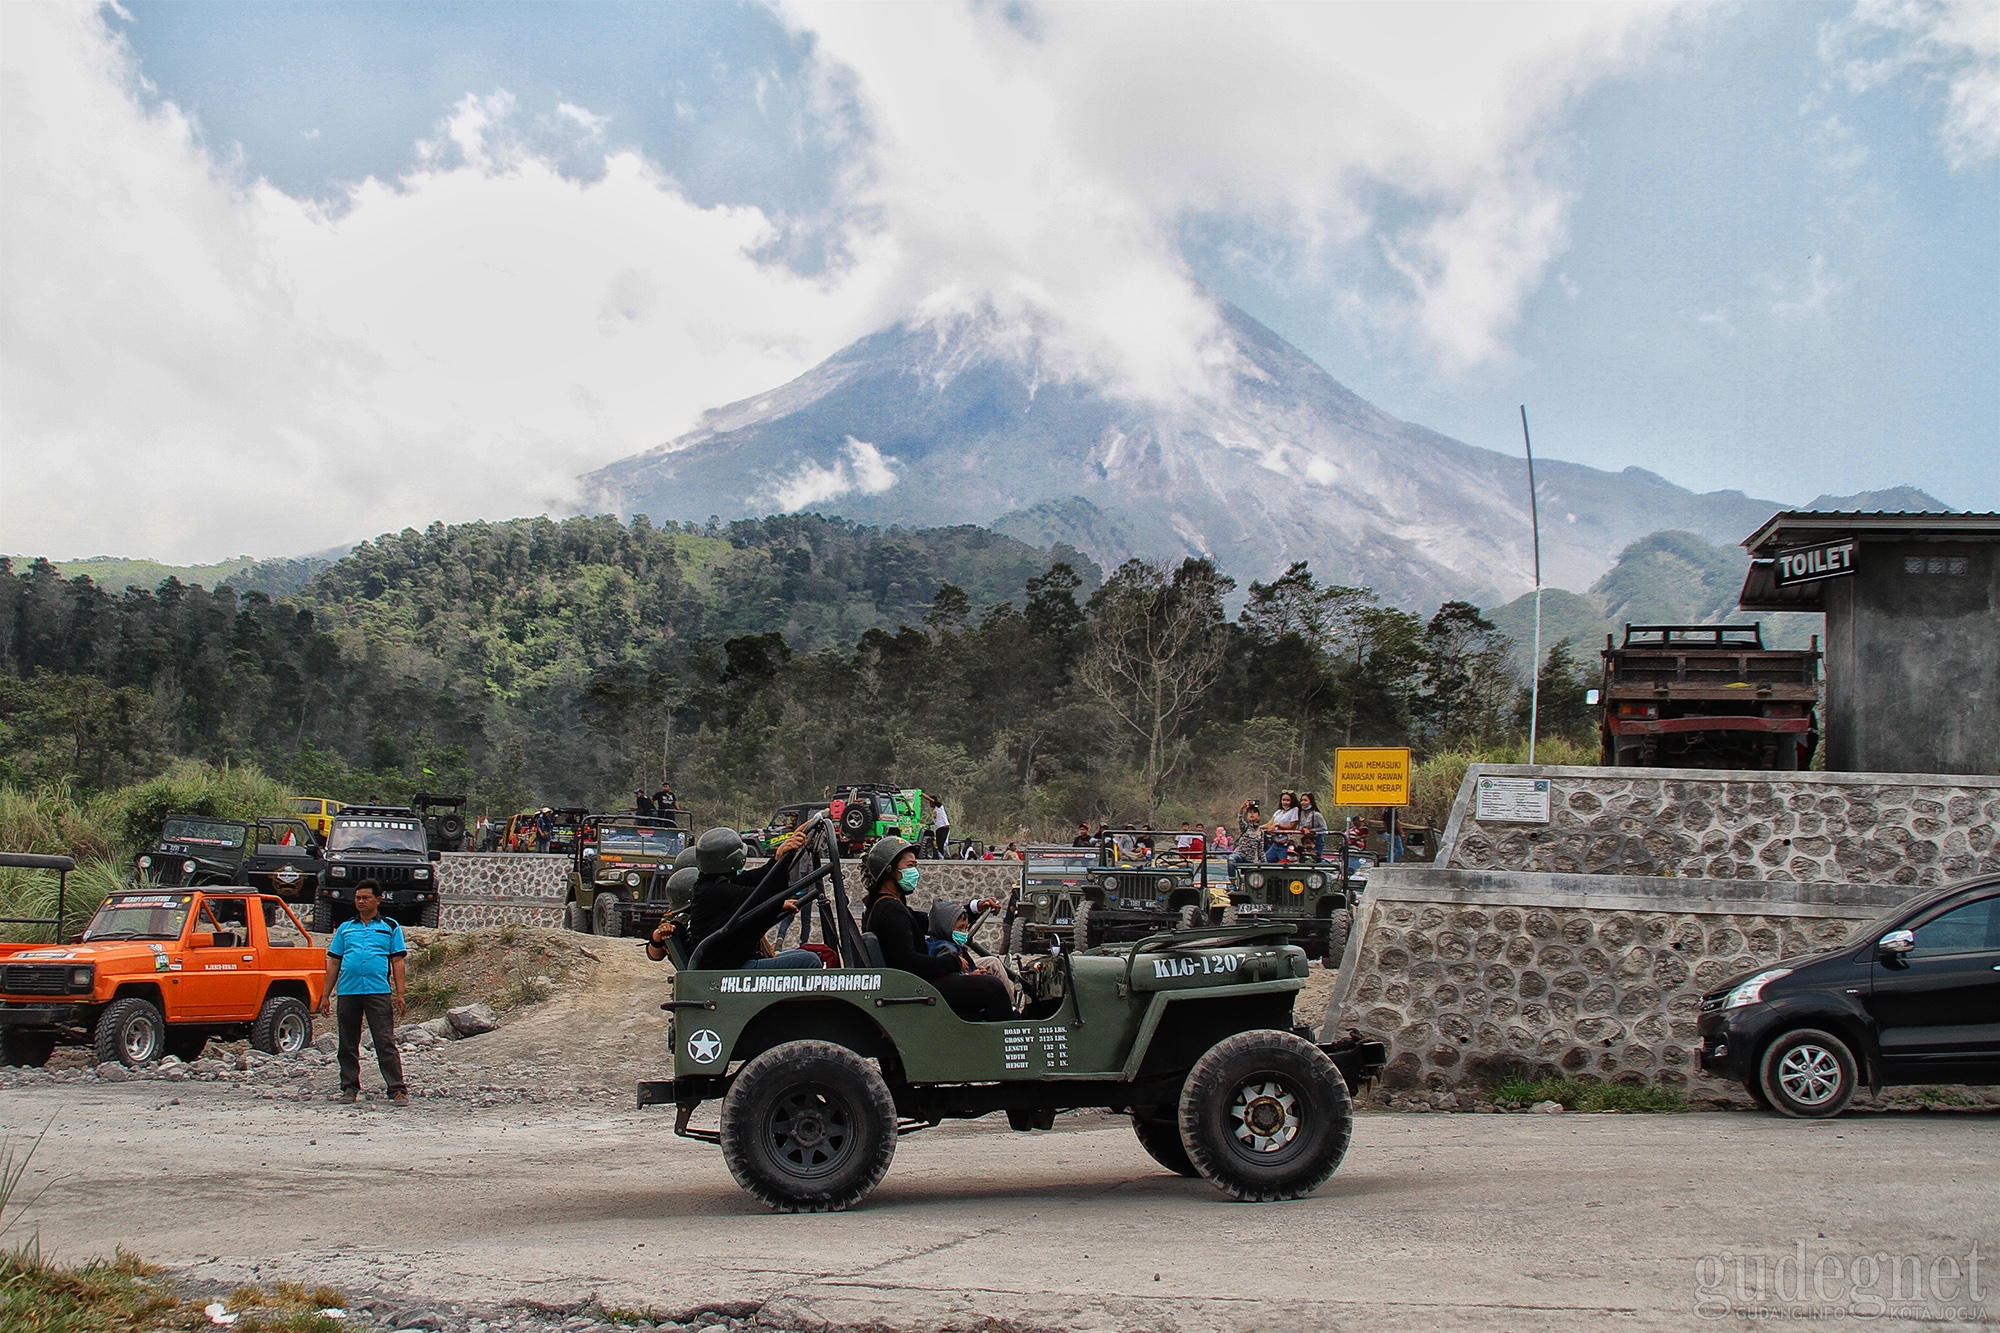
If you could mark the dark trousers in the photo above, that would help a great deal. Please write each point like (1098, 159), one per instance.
(380, 1011)
(943, 839)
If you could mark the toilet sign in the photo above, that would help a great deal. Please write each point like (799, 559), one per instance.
(1377, 776)
(1810, 564)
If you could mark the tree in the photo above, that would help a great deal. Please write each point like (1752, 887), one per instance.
(1562, 709)
(1468, 689)
(1155, 649)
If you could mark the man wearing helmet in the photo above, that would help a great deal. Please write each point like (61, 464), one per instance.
(720, 891)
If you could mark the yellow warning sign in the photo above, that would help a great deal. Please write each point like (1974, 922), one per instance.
(1379, 776)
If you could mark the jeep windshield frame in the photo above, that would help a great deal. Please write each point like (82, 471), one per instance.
(140, 916)
(377, 835)
(221, 834)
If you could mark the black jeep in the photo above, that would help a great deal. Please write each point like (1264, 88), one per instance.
(279, 855)
(385, 843)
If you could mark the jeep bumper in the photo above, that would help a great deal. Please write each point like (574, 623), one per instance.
(16, 1014)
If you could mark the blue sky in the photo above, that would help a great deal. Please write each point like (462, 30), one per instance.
(1744, 246)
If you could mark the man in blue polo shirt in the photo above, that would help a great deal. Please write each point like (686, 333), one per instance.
(364, 969)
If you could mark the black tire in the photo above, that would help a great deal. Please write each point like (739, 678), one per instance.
(428, 916)
(284, 1026)
(187, 1047)
(1079, 931)
(808, 1127)
(1338, 927)
(130, 1032)
(322, 917)
(1162, 1141)
(576, 919)
(1273, 1081)
(1808, 1074)
(1017, 937)
(1186, 919)
(604, 917)
(1757, 1094)
(29, 1050)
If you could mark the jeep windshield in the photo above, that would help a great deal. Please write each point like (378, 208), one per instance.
(376, 835)
(151, 916)
(634, 840)
(202, 833)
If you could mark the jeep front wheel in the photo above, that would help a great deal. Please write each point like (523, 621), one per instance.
(283, 1027)
(604, 916)
(1338, 927)
(130, 1032)
(322, 917)
(1265, 1116)
(808, 1127)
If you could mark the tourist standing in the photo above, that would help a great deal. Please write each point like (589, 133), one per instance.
(364, 983)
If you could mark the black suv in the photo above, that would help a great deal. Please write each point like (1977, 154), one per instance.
(1915, 998)
(390, 845)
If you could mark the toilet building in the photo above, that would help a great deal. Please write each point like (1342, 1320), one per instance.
(1912, 606)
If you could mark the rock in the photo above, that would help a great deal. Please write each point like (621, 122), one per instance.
(1547, 1108)
(113, 1073)
(327, 1045)
(469, 1020)
(440, 1028)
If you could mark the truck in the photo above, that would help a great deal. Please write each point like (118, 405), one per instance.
(389, 845)
(159, 971)
(1707, 696)
(1190, 1033)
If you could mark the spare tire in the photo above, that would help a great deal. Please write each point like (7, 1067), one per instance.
(854, 820)
(451, 831)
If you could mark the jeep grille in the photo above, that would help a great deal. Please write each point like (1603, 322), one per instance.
(35, 978)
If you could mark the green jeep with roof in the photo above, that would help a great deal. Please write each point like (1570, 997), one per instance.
(1189, 1032)
(622, 860)
(1131, 883)
(866, 812)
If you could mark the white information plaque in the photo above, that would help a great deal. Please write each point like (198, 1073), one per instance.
(1513, 801)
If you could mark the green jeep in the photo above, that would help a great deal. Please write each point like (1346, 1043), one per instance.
(622, 864)
(1190, 1033)
(867, 811)
(1133, 883)
(1309, 896)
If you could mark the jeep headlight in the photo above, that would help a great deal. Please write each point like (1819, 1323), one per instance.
(1163, 884)
(82, 978)
(1256, 881)
(420, 874)
(1314, 881)
(1041, 900)
(145, 863)
(1752, 991)
(338, 872)
(632, 878)
(187, 867)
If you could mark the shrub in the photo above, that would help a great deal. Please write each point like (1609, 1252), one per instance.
(1588, 1094)
(190, 788)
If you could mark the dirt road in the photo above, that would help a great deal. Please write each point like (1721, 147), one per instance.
(1435, 1221)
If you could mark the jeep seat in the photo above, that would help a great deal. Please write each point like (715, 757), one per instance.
(871, 949)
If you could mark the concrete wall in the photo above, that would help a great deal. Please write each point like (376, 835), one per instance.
(1913, 659)
(1468, 974)
(485, 888)
(1914, 830)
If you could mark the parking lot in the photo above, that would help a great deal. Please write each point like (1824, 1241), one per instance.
(1435, 1221)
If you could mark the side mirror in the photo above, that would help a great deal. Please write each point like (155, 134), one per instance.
(437, 856)
(201, 939)
(590, 853)
(1591, 697)
(1896, 943)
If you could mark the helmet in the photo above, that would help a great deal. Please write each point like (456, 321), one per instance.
(685, 859)
(880, 857)
(681, 883)
(720, 851)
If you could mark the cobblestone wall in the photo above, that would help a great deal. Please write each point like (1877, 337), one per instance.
(1466, 975)
(1842, 828)
(486, 889)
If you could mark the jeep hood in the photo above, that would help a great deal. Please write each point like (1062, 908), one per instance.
(96, 951)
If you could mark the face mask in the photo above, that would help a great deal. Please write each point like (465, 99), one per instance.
(960, 936)
(908, 879)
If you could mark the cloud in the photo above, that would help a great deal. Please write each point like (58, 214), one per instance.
(1809, 297)
(865, 470)
(192, 364)
(1954, 44)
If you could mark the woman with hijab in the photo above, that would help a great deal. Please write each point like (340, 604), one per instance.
(1312, 826)
(890, 869)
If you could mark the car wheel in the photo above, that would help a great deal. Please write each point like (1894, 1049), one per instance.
(1079, 931)
(575, 918)
(322, 917)
(808, 1127)
(1162, 1141)
(1807, 1074)
(130, 1032)
(604, 916)
(284, 1026)
(428, 915)
(29, 1049)
(187, 1047)
(1338, 927)
(1757, 1094)
(1017, 937)
(1185, 921)
(1265, 1115)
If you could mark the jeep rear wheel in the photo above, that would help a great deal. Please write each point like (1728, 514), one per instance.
(575, 918)
(130, 1032)
(1161, 1138)
(808, 1127)
(1264, 1116)
(31, 1049)
(283, 1027)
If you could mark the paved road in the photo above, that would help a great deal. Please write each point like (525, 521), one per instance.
(1436, 1221)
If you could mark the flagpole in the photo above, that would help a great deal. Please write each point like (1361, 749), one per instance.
(1535, 519)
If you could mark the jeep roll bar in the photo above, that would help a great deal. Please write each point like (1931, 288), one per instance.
(849, 937)
(62, 865)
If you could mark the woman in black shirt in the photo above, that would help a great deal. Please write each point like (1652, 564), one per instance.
(892, 866)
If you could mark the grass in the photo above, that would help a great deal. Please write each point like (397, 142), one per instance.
(505, 966)
(1588, 1094)
(125, 1294)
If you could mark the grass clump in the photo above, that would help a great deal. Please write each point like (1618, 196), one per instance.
(1587, 1094)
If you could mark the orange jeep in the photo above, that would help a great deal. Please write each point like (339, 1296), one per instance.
(160, 971)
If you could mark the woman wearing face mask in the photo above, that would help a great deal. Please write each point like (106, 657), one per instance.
(891, 871)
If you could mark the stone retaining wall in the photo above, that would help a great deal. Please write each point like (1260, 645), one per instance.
(1466, 974)
(1909, 829)
(488, 888)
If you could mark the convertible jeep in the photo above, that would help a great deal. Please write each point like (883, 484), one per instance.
(385, 843)
(1077, 898)
(1308, 896)
(1188, 1032)
(622, 860)
(279, 856)
(160, 971)
(784, 820)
